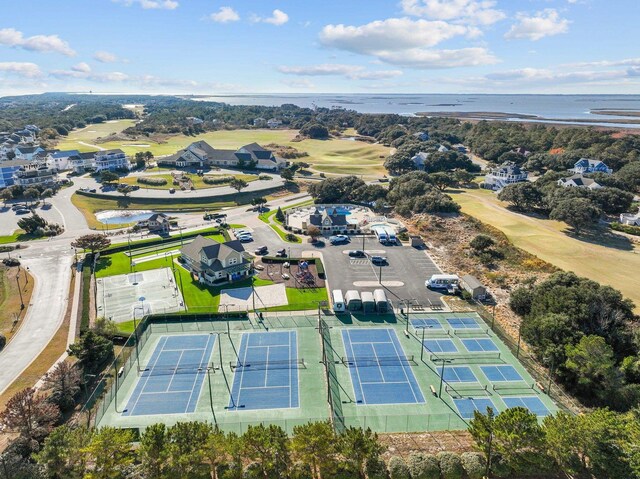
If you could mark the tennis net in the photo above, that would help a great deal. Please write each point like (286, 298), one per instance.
(170, 371)
(468, 390)
(365, 361)
(267, 365)
(511, 387)
(476, 358)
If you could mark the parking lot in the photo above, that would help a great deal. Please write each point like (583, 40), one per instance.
(403, 275)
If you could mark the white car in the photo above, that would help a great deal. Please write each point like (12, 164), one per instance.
(242, 232)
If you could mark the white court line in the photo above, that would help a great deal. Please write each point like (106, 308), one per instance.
(175, 369)
(146, 380)
(357, 370)
(195, 382)
(404, 371)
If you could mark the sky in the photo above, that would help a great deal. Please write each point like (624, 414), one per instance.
(320, 46)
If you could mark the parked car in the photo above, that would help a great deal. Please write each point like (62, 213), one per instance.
(282, 253)
(92, 190)
(242, 232)
(357, 253)
(172, 191)
(23, 211)
(262, 250)
(378, 260)
(338, 239)
(245, 239)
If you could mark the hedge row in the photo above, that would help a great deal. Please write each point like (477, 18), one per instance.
(216, 180)
(444, 465)
(632, 230)
(150, 180)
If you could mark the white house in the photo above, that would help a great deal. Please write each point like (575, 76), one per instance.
(579, 181)
(587, 165)
(82, 162)
(506, 174)
(60, 160)
(112, 160)
(419, 159)
(273, 123)
(31, 175)
(259, 122)
(156, 222)
(630, 218)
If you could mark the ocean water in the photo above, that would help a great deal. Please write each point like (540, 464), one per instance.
(553, 107)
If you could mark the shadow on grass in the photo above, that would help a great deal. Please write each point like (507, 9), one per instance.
(103, 263)
(602, 237)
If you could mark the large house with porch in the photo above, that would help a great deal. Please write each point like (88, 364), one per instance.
(587, 165)
(213, 263)
(202, 155)
(579, 181)
(506, 174)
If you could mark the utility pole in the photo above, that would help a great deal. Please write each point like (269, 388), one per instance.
(444, 361)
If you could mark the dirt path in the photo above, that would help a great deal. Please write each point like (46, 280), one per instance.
(613, 261)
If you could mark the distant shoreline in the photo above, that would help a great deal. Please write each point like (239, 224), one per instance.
(491, 115)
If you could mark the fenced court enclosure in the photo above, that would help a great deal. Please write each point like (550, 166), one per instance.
(386, 372)
(135, 295)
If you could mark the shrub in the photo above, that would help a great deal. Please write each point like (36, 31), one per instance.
(450, 465)
(216, 180)
(265, 177)
(149, 180)
(3, 341)
(376, 468)
(423, 466)
(473, 464)
(629, 229)
(398, 468)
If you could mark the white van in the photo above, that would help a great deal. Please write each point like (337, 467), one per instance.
(338, 301)
(442, 281)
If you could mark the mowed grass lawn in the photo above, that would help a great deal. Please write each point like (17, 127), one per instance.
(603, 260)
(329, 156)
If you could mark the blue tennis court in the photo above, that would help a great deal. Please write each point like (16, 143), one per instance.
(440, 346)
(466, 406)
(458, 374)
(532, 403)
(477, 345)
(380, 371)
(503, 372)
(172, 381)
(426, 324)
(463, 323)
(266, 372)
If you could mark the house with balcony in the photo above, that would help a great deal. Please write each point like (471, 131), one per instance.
(30, 175)
(506, 174)
(579, 181)
(8, 169)
(157, 222)
(587, 165)
(61, 159)
(112, 160)
(83, 162)
(212, 263)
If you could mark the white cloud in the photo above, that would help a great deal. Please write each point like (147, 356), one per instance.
(542, 75)
(406, 42)
(542, 24)
(23, 69)
(480, 12)
(81, 67)
(606, 63)
(353, 72)
(225, 15)
(390, 34)
(151, 4)
(105, 57)
(37, 43)
(278, 17)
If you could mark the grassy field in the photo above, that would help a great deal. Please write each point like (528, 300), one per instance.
(10, 299)
(198, 181)
(603, 257)
(328, 156)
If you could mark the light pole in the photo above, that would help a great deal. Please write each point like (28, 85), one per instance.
(444, 361)
(26, 275)
(135, 329)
